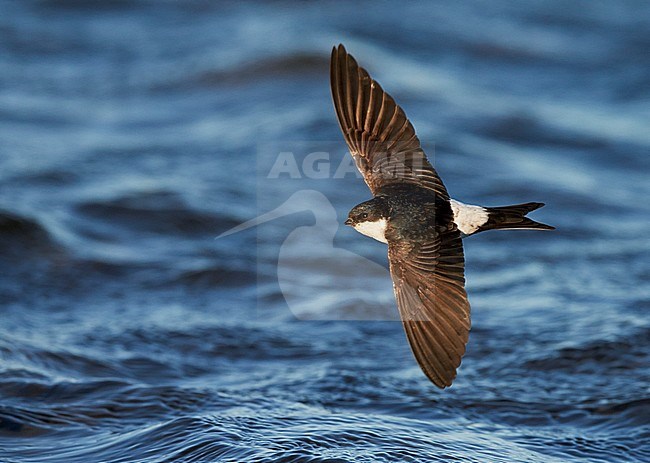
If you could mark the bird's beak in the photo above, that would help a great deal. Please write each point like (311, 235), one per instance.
(348, 221)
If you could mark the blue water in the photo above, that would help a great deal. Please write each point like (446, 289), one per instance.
(132, 133)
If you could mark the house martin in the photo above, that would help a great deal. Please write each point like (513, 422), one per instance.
(412, 212)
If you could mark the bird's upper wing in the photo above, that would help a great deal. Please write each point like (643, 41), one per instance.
(428, 279)
(380, 137)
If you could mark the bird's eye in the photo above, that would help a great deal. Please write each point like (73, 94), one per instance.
(364, 215)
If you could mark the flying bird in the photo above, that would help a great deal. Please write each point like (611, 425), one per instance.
(412, 212)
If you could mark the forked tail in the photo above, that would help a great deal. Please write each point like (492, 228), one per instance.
(513, 217)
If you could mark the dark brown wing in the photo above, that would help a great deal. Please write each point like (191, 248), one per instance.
(429, 287)
(380, 137)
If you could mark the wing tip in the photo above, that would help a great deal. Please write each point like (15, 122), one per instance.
(440, 381)
(339, 50)
(340, 54)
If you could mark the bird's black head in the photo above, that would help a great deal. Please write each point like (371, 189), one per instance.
(368, 211)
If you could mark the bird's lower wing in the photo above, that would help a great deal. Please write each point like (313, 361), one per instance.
(429, 281)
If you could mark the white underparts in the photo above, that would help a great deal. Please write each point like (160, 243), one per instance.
(375, 229)
(468, 218)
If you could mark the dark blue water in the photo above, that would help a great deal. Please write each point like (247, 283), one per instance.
(132, 133)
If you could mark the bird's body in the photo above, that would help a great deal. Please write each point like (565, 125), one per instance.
(412, 212)
(405, 213)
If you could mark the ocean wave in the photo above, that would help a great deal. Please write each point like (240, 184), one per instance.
(630, 353)
(154, 212)
(252, 73)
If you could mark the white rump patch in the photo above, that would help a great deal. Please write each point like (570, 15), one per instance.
(375, 229)
(468, 218)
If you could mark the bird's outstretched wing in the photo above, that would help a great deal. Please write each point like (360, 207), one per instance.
(428, 279)
(380, 137)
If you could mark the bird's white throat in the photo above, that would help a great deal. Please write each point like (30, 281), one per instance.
(375, 229)
(468, 218)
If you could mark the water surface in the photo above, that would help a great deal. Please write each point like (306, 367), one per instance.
(132, 133)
